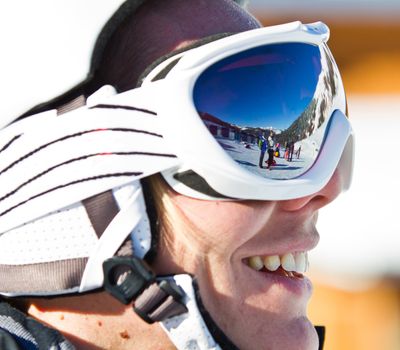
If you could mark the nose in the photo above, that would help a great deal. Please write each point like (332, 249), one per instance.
(327, 194)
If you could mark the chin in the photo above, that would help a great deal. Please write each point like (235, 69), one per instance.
(299, 334)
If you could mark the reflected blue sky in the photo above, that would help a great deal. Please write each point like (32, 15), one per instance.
(269, 88)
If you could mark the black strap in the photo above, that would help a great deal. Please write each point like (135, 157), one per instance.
(130, 279)
(7, 341)
(321, 336)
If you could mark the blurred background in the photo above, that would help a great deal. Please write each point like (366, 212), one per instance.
(356, 266)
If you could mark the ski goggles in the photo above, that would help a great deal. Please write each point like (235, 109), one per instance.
(256, 115)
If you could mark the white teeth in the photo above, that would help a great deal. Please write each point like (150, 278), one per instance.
(256, 263)
(300, 259)
(288, 262)
(272, 263)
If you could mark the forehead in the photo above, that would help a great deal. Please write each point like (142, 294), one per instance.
(182, 23)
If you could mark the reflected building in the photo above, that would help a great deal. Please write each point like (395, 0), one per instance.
(223, 130)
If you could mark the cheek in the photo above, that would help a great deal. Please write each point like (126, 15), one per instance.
(226, 225)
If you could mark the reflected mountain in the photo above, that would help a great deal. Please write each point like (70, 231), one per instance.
(301, 140)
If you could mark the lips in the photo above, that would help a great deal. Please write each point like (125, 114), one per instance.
(288, 264)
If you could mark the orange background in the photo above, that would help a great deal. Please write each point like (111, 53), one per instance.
(368, 55)
(367, 52)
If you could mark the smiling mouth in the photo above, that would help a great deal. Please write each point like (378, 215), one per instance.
(292, 265)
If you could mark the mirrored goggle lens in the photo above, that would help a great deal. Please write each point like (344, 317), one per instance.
(269, 107)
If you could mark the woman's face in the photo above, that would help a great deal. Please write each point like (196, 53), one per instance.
(214, 241)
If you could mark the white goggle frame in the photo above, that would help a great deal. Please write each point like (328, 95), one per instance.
(194, 145)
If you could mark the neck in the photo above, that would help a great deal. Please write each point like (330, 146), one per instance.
(98, 321)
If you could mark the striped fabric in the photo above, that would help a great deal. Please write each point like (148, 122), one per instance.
(59, 175)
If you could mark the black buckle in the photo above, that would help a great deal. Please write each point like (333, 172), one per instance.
(129, 278)
(160, 301)
(126, 277)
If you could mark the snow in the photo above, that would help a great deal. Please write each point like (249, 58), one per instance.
(249, 159)
(248, 156)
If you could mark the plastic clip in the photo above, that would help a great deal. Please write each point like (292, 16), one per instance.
(126, 277)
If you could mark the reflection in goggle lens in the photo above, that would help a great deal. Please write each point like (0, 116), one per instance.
(269, 107)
